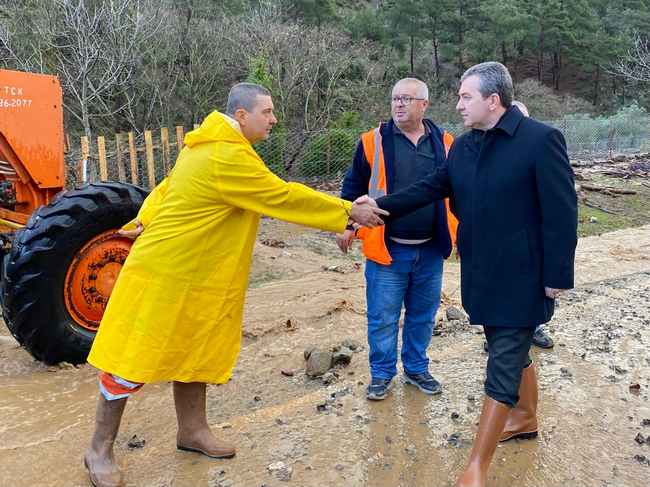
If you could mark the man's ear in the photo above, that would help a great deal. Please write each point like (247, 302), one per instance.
(240, 115)
(495, 101)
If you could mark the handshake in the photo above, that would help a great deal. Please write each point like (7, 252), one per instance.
(366, 213)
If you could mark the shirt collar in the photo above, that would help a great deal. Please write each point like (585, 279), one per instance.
(396, 129)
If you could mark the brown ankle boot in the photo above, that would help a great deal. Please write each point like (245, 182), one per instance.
(522, 420)
(493, 418)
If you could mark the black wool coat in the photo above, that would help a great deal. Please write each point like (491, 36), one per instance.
(512, 190)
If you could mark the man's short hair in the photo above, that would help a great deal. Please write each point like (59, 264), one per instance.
(494, 78)
(422, 88)
(244, 95)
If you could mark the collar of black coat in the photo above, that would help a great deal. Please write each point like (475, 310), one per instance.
(509, 121)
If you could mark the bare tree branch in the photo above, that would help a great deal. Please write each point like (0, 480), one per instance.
(636, 64)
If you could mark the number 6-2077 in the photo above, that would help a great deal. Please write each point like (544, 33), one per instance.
(15, 103)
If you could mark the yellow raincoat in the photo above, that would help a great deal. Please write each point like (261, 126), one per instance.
(176, 310)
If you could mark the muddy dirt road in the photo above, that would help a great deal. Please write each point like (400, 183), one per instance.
(594, 408)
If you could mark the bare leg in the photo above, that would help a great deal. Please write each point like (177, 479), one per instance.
(493, 419)
(99, 458)
(194, 434)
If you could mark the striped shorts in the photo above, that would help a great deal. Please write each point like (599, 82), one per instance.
(113, 387)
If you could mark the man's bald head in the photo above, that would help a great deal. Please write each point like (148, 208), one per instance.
(420, 87)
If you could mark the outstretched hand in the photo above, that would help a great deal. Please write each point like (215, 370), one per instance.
(365, 212)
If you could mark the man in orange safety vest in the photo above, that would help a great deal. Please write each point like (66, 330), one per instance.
(404, 258)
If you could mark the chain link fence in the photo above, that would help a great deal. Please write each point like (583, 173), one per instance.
(602, 138)
(317, 158)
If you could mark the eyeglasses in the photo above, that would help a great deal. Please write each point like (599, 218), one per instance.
(404, 99)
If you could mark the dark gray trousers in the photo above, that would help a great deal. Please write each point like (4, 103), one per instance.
(507, 356)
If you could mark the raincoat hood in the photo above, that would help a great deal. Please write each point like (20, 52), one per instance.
(217, 127)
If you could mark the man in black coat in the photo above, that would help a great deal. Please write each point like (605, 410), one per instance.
(541, 337)
(511, 187)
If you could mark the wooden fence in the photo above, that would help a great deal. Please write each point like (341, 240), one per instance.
(145, 158)
(126, 157)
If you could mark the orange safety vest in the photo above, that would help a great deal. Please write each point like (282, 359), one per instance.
(374, 245)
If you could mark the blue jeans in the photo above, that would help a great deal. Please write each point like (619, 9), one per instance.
(414, 279)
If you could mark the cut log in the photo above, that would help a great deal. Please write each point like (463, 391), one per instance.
(598, 207)
(606, 189)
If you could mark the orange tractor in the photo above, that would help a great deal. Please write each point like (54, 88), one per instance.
(61, 253)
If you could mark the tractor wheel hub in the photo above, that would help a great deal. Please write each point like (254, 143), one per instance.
(92, 275)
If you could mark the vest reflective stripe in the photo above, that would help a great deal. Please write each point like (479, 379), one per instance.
(374, 244)
(374, 190)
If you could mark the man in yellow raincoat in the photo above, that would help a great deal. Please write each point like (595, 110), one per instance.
(175, 313)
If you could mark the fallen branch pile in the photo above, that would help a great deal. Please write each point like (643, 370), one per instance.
(624, 167)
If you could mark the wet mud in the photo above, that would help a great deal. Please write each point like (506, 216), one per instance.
(292, 430)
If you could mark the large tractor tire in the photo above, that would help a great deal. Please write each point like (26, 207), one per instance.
(61, 269)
